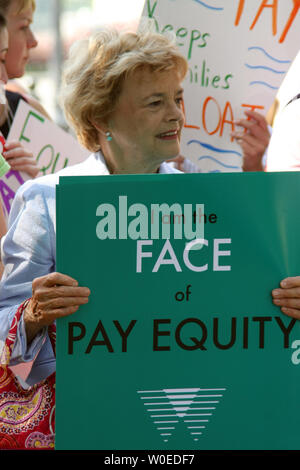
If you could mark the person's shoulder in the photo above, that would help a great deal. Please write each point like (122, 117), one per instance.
(287, 120)
(13, 99)
(290, 110)
(41, 186)
(47, 183)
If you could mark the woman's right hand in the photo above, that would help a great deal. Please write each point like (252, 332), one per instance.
(54, 296)
(20, 159)
(253, 139)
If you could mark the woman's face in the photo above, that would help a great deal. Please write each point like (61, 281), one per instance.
(3, 54)
(21, 39)
(147, 121)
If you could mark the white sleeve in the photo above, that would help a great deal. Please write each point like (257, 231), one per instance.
(284, 148)
(27, 253)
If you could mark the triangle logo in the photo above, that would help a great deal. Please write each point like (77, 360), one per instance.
(190, 409)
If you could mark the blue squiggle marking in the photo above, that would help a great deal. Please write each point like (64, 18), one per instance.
(208, 6)
(265, 84)
(211, 147)
(264, 68)
(206, 157)
(268, 55)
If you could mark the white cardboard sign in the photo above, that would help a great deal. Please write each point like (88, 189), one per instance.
(52, 147)
(239, 52)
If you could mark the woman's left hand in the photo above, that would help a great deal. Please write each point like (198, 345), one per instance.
(288, 296)
(20, 159)
(253, 139)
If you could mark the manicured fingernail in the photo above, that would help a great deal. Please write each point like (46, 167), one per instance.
(276, 292)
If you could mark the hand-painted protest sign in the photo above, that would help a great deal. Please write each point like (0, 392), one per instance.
(239, 52)
(178, 348)
(52, 147)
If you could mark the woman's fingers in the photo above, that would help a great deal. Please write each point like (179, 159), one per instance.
(293, 292)
(289, 303)
(46, 294)
(53, 279)
(291, 312)
(47, 317)
(20, 159)
(16, 151)
(289, 287)
(55, 295)
(287, 297)
(289, 282)
(61, 302)
(24, 165)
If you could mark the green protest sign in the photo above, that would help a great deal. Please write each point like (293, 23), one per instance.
(180, 345)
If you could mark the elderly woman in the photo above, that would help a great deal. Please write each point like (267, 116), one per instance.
(123, 95)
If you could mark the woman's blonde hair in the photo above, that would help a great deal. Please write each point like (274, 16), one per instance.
(24, 4)
(96, 68)
(21, 5)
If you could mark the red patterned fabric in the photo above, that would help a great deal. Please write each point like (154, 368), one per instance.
(26, 415)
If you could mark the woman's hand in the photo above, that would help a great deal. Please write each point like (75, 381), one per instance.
(288, 296)
(54, 296)
(254, 140)
(20, 159)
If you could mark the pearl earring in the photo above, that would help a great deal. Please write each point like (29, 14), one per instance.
(108, 136)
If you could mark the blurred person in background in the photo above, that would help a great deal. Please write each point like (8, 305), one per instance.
(19, 17)
(18, 158)
(284, 149)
